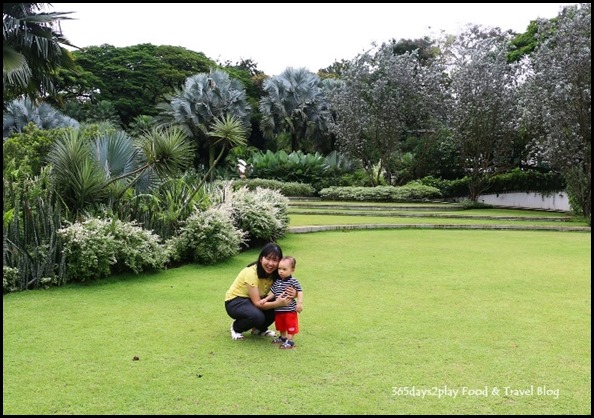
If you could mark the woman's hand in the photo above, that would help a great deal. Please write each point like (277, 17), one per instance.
(284, 300)
(290, 292)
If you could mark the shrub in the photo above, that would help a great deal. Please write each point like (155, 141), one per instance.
(469, 204)
(518, 180)
(286, 188)
(409, 192)
(97, 248)
(416, 191)
(311, 169)
(26, 151)
(207, 237)
(137, 248)
(356, 177)
(293, 167)
(10, 279)
(515, 180)
(262, 213)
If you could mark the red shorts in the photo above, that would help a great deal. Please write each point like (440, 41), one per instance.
(286, 321)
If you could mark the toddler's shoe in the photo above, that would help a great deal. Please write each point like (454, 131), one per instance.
(287, 345)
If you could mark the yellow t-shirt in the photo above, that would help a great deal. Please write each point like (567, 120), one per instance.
(248, 277)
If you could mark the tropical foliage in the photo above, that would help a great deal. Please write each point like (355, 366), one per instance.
(295, 105)
(32, 49)
(212, 110)
(25, 153)
(18, 113)
(87, 173)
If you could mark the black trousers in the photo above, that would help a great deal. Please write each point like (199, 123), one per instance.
(248, 316)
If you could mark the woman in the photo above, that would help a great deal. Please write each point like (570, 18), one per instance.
(242, 301)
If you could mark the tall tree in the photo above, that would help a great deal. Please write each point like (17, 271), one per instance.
(482, 104)
(134, 78)
(557, 102)
(385, 98)
(537, 32)
(425, 47)
(335, 70)
(32, 49)
(294, 105)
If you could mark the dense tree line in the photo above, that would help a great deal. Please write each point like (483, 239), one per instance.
(474, 105)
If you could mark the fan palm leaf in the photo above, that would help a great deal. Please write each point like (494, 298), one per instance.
(227, 132)
(294, 104)
(203, 98)
(90, 172)
(76, 175)
(165, 150)
(20, 112)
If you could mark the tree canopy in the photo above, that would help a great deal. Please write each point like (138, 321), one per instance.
(136, 78)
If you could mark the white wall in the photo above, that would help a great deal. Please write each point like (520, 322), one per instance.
(533, 200)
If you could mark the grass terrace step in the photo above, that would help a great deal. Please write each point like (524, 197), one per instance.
(313, 204)
(310, 215)
(321, 228)
(391, 213)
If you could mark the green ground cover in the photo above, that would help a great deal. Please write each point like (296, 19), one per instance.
(394, 322)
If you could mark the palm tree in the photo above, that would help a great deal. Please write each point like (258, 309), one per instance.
(32, 49)
(295, 105)
(141, 124)
(20, 112)
(88, 172)
(204, 99)
(228, 132)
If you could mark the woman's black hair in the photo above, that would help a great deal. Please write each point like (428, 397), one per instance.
(271, 249)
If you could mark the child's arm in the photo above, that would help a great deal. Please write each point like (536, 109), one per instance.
(268, 298)
(299, 301)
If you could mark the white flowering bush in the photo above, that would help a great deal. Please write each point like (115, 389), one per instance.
(10, 279)
(263, 213)
(138, 249)
(97, 248)
(206, 237)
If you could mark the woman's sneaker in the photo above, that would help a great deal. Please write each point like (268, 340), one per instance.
(267, 333)
(236, 335)
(287, 345)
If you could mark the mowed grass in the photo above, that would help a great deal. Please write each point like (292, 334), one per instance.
(394, 322)
(316, 213)
(326, 219)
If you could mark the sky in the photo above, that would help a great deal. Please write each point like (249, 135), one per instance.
(280, 35)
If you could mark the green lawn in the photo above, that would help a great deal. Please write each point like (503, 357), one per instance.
(302, 220)
(315, 212)
(394, 322)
